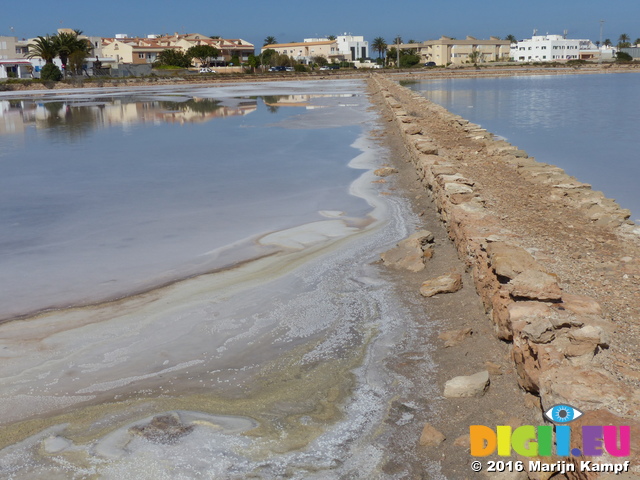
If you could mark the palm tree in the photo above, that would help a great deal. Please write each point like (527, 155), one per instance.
(474, 56)
(623, 41)
(379, 45)
(511, 38)
(637, 41)
(331, 37)
(269, 41)
(43, 47)
(607, 42)
(69, 45)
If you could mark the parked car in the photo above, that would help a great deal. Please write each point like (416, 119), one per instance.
(430, 64)
(290, 69)
(278, 69)
(326, 67)
(206, 70)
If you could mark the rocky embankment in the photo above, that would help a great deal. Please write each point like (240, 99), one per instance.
(556, 263)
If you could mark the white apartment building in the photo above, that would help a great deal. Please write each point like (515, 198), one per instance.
(552, 48)
(352, 47)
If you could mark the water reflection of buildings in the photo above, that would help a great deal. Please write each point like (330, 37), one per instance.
(77, 116)
(299, 100)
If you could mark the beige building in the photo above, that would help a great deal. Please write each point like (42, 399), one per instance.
(445, 50)
(13, 61)
(228, 47)
(8, 48)
(132, 50)
(304, 51)
(146, 50)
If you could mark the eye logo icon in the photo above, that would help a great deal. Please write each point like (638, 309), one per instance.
(562, 414)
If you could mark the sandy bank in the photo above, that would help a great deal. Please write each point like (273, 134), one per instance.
(555, 263)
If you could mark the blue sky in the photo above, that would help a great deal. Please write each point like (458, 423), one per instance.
(289, 20)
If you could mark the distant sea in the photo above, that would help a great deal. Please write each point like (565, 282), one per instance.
(585, 124)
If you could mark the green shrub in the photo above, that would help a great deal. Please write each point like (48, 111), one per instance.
(300, 68)
(50, 72)
(409, 60)
(623, 57)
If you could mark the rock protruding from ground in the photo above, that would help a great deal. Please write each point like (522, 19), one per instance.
(413, 129)
(443, 284)
(467, 386)
(164, 429)
(410, 253)
(385, 171)
(455, 337)
(427, 147)
(431, 437)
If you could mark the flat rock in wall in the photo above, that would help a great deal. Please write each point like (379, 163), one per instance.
(535, 285)
(509, 260)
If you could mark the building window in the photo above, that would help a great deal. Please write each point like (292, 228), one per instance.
(141, 55)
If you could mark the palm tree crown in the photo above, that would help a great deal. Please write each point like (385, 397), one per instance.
(379, 45)
(269, 41)
(43, 47)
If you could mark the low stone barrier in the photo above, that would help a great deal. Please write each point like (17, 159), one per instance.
(555, 336)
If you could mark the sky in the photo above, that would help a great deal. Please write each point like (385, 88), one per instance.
(287, 20)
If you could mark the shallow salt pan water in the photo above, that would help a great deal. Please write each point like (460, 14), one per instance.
(101, 196)
(272, 368)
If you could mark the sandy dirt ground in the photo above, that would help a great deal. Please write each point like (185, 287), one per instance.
(504, 403)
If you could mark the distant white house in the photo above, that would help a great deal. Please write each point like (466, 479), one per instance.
(354, 46)
(16, 68)
(553, 48)
(351, 47)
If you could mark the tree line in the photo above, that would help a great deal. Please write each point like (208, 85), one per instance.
(173, 57)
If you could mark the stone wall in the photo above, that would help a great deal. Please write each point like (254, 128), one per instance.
(555, 336)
